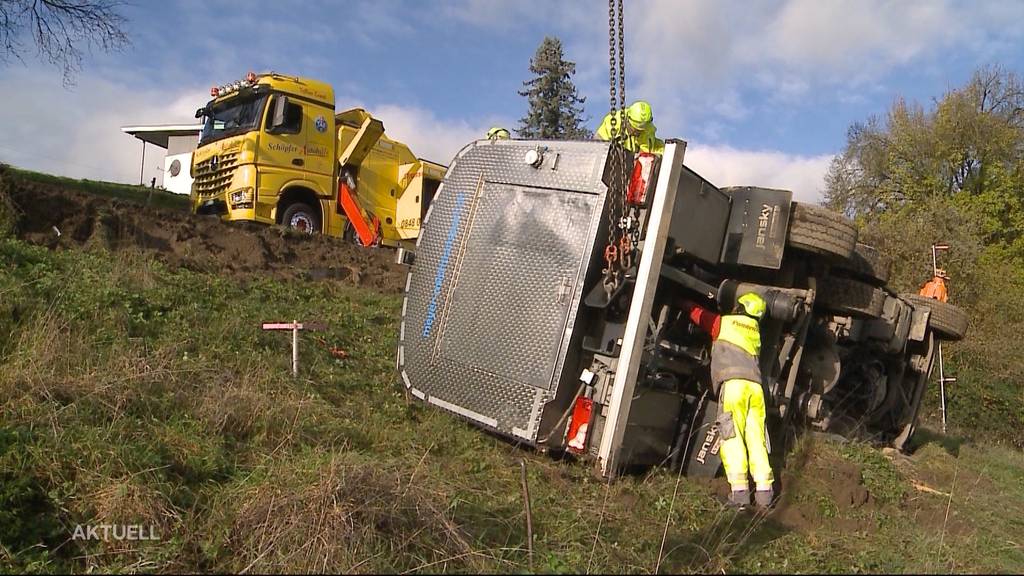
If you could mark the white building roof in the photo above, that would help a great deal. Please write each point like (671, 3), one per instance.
(158, 135)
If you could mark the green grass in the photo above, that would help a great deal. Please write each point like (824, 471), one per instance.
(131, 393)
(139, 194)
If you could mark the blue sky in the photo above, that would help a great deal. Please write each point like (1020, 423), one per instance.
(763, 92)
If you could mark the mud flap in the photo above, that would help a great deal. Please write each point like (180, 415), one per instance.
(702, 458)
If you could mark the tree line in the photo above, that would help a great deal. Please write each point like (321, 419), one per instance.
(950, 172)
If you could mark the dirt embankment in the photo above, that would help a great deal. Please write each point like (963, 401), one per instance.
(61, 218)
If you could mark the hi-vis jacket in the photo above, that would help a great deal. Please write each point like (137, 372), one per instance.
(736, 348)
(644, 141)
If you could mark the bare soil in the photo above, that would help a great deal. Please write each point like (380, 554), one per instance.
(60, 218)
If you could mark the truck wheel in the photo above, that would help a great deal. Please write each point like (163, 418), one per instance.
(948, 321)
(851, 297)
(868, 264)
(301, 217)
(822, 231)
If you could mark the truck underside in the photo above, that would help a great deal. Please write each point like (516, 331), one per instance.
(508, 321)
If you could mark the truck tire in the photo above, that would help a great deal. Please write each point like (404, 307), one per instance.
(948, 321)
(301, 217)
(821, 231)
(852, 297)
(868, 264)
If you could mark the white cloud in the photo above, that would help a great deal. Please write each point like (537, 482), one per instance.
(77, 132)
(692, 59)
(849, 36)
(726, 166)
(428, 136)
(508, 16)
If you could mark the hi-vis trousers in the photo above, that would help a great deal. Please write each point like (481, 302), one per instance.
(741, 425)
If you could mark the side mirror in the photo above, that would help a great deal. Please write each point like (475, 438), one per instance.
(200, 112)
(277, 119)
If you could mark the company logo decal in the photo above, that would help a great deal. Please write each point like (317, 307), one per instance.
(283, 147)
(320, 151)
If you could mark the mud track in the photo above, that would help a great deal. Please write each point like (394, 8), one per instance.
(62, 218)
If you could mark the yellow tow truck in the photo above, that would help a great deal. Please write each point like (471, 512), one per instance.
(273, 151)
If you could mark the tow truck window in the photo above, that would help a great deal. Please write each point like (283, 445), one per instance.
(233, 117)
(292, 119)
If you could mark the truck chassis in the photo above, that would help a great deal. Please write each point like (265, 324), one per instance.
(507, 321)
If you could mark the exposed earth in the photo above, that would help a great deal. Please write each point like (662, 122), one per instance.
(59, 218)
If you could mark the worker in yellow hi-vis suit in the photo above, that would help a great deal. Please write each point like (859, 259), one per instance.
(736, 376)
(640, 132)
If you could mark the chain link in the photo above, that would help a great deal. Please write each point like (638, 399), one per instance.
(618, 252)
(622, 71)
(612, 103)
(623, 175)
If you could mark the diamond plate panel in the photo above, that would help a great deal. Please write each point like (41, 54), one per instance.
(518, 237)
(470, 341)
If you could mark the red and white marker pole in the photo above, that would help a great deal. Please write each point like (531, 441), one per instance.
(294, 326)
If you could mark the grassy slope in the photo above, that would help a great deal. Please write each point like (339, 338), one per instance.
(134, 394)
(142, 194)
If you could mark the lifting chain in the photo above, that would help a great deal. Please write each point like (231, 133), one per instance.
(618, 252)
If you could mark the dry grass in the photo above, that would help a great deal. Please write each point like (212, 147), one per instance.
(327, 512)
(134, 394)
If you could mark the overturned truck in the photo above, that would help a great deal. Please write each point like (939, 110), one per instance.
(519, 317)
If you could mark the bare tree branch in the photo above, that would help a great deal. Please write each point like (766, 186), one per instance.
(61, 30)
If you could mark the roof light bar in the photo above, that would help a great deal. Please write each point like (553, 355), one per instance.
(248, 81)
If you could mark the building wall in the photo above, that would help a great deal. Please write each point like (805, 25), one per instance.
(176, 177)
(179, 148)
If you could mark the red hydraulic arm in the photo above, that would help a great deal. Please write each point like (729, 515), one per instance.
(367, 232)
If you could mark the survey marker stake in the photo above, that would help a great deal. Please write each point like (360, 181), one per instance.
(294, 327)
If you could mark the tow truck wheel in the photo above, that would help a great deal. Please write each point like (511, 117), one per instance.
(301, 217)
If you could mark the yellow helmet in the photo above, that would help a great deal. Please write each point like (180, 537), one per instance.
(640, 114)
(498, 133)
(752, 305)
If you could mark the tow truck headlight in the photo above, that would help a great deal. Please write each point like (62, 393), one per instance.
(241, 198)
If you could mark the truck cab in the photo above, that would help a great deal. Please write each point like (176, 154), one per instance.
(274, 151)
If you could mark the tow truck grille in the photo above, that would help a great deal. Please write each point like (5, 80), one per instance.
(212, 180)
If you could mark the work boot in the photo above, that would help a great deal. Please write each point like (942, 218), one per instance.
(739, 499)
(764, 499)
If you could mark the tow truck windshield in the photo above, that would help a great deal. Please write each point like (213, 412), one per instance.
(236, 116)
